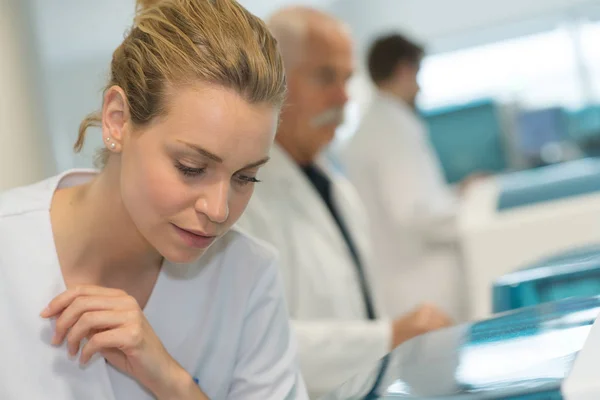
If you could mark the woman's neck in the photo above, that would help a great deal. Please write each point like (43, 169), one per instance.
(97, 242)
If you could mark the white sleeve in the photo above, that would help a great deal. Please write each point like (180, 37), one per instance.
(332, 351)
(267, 367)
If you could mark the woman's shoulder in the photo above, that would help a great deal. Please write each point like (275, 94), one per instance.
(26, 199)
(35, 197)
(241, 256)
(238, 243)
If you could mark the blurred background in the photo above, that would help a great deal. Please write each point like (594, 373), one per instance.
(521, 77)
(505, 86)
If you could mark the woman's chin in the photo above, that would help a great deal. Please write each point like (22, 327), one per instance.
(183, 256)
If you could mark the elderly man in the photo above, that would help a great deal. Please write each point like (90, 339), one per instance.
(314, 218)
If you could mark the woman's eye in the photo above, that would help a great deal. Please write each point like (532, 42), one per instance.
(188, 171)
(243, 180)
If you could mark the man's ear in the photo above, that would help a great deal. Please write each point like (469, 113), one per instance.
(115, 118)
(402, 68)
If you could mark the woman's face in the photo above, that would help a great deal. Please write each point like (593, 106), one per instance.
(187, 177)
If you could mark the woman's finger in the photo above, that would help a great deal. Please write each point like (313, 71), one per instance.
(81, 305)
(118, 338)
(91, 323)
(62, 301)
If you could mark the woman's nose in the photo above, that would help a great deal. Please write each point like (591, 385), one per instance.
(214, 202)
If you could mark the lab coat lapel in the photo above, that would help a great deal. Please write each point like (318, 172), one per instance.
(347, 202)
(350, 208)
(304, 197)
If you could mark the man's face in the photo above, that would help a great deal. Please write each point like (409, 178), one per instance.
(408, 80)
(317, 91)
(413, 84)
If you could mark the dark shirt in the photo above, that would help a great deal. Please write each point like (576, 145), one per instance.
(323, 185)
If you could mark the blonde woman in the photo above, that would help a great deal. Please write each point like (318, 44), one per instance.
(130, 283)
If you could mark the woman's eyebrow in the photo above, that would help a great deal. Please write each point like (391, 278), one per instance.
(218, 159)
(203, 152)
(256, 164)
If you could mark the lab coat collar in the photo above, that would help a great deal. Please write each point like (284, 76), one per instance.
(287, 169)
(283, 172)
(283, 169)
(395, 101)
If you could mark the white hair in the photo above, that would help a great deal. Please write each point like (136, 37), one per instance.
(291, 26)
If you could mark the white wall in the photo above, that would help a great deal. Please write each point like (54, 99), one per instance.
(444, 25)
(25, 154)
(73, 91)
(437, 21)
(76, 39)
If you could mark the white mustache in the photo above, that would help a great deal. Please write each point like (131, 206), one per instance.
(329, 117)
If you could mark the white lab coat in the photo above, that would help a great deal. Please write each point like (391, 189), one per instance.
(411, 208)
(322, 286)
(223, 318)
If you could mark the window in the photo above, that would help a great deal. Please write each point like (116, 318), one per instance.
(539, 70)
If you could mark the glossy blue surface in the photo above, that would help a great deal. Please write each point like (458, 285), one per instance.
(549, 183)
(571, 274)
(524, 354)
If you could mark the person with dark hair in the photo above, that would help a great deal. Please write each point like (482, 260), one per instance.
(412, 210)
(394, 63)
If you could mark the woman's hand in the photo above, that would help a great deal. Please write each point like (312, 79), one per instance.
(115, 327)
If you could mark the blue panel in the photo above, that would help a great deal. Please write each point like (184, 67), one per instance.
(467, 139)
(584, 129)
(549, 183)
(549, 395)
(571, 274)
(584, 123)
(485, 359)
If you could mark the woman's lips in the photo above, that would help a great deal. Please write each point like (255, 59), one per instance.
(194, 238)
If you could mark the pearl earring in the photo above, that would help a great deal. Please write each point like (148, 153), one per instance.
(112, 146)
(108, 139)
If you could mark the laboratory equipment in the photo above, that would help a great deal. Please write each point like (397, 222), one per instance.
(514, 220)
(572, 274)
(584, 129)
(543, 137)
(530, 353)
(467, 139)
(538, 128)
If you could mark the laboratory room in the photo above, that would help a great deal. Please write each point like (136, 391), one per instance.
(299, 199)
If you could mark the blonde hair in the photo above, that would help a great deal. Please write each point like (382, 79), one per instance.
(178, 42)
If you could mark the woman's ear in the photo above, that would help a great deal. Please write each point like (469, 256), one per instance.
(115, 118)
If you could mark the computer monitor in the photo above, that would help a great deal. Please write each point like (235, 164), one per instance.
(537, 128)
(468, 139)
(584, 129)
